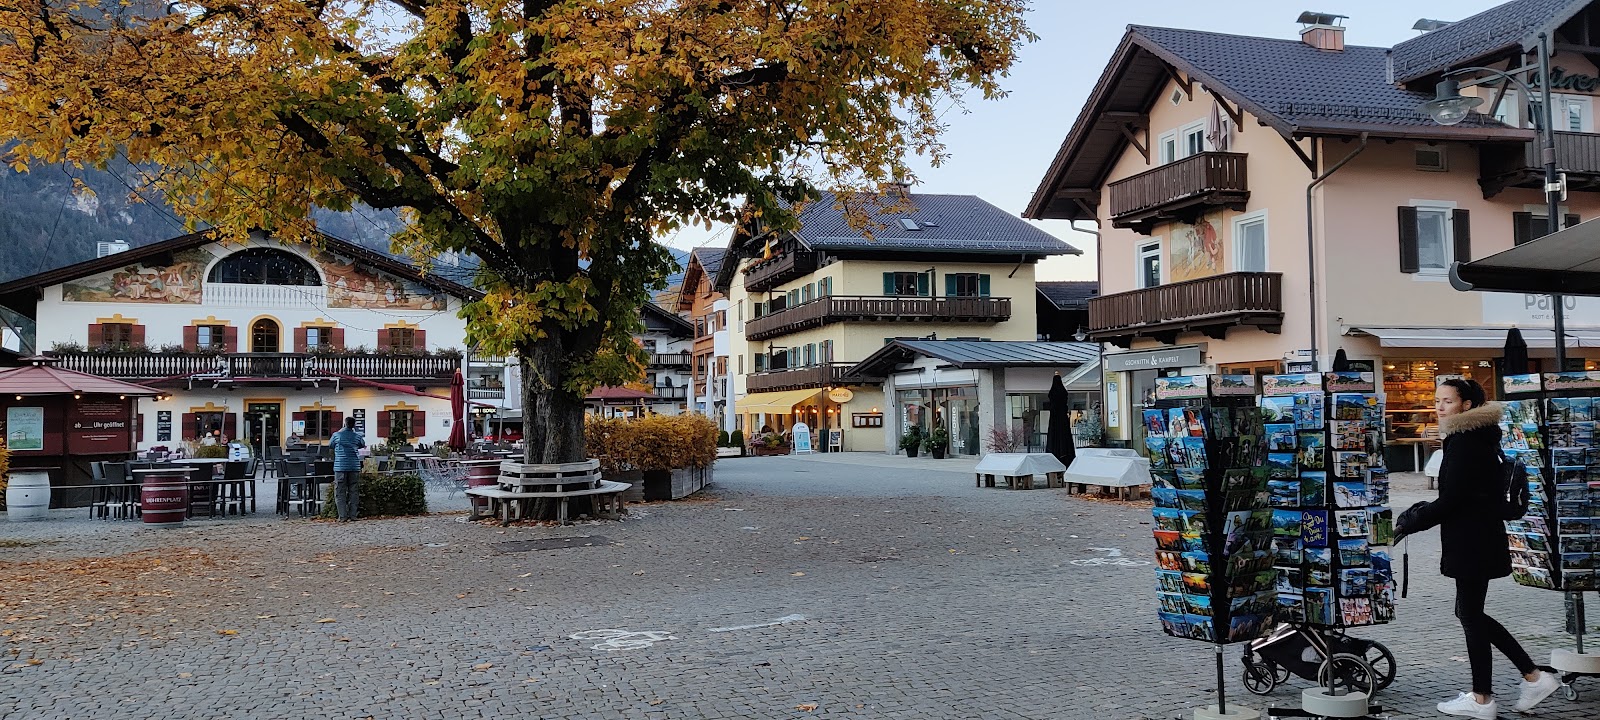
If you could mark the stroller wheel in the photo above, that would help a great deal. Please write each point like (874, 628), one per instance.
(1344, 671)
(1382, 662)
(1259, 676)
(1280, 672)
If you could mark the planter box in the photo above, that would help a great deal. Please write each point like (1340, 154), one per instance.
(634, 478)
(675, 484)
(763, 450)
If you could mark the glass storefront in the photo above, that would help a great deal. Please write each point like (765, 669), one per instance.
(955, 409)
(1409, 386)
(1030, 415)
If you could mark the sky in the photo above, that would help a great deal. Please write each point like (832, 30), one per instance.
(1000, 149)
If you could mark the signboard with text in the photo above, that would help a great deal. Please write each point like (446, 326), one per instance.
(100, 426)
(1153, 359)
(163, 426)
(1524, 310)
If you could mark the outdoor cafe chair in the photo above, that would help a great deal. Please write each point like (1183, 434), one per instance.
(273, 457)
(101, 500)
(126, 495)
(235, 490)
(202, 491)
(290, 486)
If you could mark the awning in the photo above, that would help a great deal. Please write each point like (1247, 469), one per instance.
(777, 403)
(1086, 377)
(1485, 338)
(1565, 262)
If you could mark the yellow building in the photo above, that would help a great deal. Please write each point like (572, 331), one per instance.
(806, 306)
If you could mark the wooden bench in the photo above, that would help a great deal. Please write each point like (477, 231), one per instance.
(513, 504)
(1122, 492)
(1023, 482)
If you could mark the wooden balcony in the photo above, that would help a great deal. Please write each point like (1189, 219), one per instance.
(1505, 166)
(779, 269)
(1181, 190)
(877, 308)
(262, 368)
(671, 392)
(1208, 305)
(800, 378)
(678, 359)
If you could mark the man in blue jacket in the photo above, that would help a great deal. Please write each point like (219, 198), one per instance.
(347, 444)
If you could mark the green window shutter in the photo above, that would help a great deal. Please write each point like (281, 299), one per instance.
(983, 285)
(1409, 260)
(949, 285)
(888, 283)
(922, 284)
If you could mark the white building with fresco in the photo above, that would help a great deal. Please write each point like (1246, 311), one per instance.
(257, 340)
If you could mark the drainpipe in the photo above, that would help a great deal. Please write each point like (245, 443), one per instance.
(1311, 242)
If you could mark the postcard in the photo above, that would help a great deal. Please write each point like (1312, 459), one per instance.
(1579, 580)
(1169, 560)
(1522, 411)
(1281, 438)
(1352, 523)
(1168, 519)
(1349, 494)
(1250, 627)
(1283, 493)
(1319, 567)
(1532, 577)
(1286, 523)
(1320, 606)
(1356, 611)
(1191, 500)
(1312, 446)
(1354, 406)
(1274, 385)
(1557, 382)
(1197, 604)
(1565, 410)
(1287, 552)
(1170, 602)
(1177, 457)
(1314, 528)
(1174, 624)
(1313, 488)
(1282, 465)
(1380, 523)
(1201, 628)
(1196, 583)
(1353, 553)
(1190, 478)
(1219, 422)
(1350, 465)
(1358, 382)
(1513, 384)
(1194, 450)
(1308, 411)
(1382, 564)
(1290, 580)
(1353, 582)
(1277, 409)
(1155, 423)
(1348, 435)
(1174, 388)
(1186, 422)
(1164, 497)
(1383, 605)
(1169, 581)
(1569, 456)
(1222, 385)
(1162, 477)
(1291, 607)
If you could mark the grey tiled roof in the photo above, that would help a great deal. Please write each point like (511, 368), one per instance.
(1069, 294)
(1014, 353)
(710, 257)
(1498, 28)
(1297, 84)
(951, 223)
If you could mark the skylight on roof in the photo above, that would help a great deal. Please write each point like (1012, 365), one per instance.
(909, 224)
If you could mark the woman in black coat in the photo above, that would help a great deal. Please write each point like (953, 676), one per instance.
(1473, 539)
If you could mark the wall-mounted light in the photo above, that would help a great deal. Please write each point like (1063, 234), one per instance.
(874, 409)
(77, 396)
(19, 397)
(1080, 335)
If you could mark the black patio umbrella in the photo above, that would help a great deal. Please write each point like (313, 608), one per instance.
(1341, 361)
(1058, 437)
(1515, 361)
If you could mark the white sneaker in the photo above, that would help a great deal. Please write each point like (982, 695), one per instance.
(1533, 692)
(1467, 706)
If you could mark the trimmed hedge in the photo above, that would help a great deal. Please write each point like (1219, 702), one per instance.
(385, 494)
(657, 442)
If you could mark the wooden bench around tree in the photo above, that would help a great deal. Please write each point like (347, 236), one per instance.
(511, 505)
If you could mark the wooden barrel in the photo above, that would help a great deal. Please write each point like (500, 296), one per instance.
(481, 473)
(163, 496)
(28, 495)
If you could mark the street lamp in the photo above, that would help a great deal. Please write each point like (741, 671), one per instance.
(1449, 107)
(1080, 335)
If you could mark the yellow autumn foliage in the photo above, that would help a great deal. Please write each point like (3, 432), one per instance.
(657, 442)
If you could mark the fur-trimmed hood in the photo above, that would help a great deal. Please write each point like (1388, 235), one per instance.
(1477, 418)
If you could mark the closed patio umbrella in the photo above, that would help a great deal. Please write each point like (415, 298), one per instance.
(458, 428)
(1515, 361)
(1058, 436)
(1341, 361)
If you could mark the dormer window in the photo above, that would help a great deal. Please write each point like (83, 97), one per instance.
(264, 266)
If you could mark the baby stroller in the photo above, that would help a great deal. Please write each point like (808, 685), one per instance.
(1326, 656)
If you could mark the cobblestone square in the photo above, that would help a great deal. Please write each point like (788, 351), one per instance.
(843, 586)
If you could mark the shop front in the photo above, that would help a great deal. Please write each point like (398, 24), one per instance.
(1130, 387)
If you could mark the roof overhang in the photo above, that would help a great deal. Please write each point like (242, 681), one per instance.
(1458, 337)
(1565, 262)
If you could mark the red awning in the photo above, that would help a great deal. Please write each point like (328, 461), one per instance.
(47, 380)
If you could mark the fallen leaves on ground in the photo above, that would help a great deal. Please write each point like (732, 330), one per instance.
(327, 620)
(806, 707)
(483, 666)
(227, 632)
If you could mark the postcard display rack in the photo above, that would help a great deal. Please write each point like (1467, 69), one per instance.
(1549, 424)
(1213, 535)
(1329, 493)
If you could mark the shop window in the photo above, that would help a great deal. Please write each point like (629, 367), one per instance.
(966, 285)
(204, 424)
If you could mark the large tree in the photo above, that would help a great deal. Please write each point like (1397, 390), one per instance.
(554, 139)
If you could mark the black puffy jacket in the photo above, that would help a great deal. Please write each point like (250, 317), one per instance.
(1471, 533)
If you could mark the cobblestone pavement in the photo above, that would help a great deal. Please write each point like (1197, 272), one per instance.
(830, 587)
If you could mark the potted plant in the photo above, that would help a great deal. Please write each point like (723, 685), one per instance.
(1089, 431)
(911, 442)
(937, 442)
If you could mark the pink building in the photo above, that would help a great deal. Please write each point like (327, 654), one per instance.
(1266, 202)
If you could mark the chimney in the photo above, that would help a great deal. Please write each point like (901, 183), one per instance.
(1322, 31)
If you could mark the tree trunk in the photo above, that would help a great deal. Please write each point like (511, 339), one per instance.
(552, 418)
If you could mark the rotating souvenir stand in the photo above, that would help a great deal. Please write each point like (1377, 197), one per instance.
(1213, 538)
(1549, 424)
(1331, 522)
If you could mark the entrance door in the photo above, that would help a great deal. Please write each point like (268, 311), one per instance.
(264, 336)
(264, 421)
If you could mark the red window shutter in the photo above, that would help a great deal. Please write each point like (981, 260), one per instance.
(230, 339)
(230, 425)
(420, 339)
(136, 335)
(191, 427)
(382, 430)
(336, 338)
(191, 338)
(335, 422)
(96, 336)
(299, 339)
(419, 424)
(383, 337)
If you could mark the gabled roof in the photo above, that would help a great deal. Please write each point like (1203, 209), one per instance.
(710, 257)
(978, 354)
(49, 380)
(680, 326)
(1290, 86)
(1068, 294)
(156, 250)
(704, 262)
(1509, 28)
(944, 223)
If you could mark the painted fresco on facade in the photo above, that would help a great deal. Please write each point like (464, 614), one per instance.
(1196, 251)
(351, 286)
(178, 283)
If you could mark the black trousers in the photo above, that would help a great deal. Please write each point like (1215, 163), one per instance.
(1482, 632)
